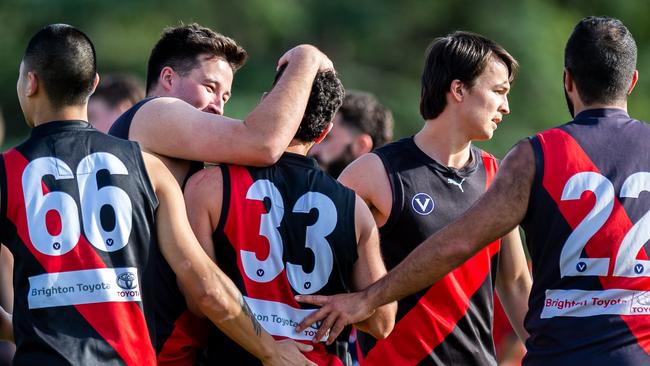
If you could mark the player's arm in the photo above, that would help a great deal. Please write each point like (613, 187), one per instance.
(6, 281)
(203, 200)
(513, 281)
(369, 268)
(214, 293)
(367, 177)
(6, 292)
(6, 329)
(171, 127)
(495, 214)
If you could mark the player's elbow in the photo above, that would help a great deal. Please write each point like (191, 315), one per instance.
(216, 304)
(379, 330)
(265, 155)
(387, 320)
(381, 324)
(271, 153)
(383, 330)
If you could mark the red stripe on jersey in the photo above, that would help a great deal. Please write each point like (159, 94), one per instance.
(490, 164)
(190, 334)
(243, 231)
(120, 324)
(436, 314)
(557, 145)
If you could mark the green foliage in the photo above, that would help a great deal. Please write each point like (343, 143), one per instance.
(377, 46)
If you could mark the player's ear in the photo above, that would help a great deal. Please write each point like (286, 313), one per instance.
(324, 133)
(635, 78)
(568, 80)
(457, 90)
(362, 144)
(167, 78)
(95, 82)
(32, 84)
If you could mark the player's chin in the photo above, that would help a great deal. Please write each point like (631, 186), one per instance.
(484, 135)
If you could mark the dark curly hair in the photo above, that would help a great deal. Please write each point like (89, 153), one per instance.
(325, 98)
(179, 48)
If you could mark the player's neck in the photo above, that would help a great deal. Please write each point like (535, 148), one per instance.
(581, 108)
(44, 113)
(159, 91)
(299, 147)
(444, 143)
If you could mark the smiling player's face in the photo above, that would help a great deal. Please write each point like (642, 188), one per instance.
(206, 87)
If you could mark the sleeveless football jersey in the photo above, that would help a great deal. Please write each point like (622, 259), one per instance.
(285, 230)
(587, 229)
(179, 333)
(450, 322)
(78, 215)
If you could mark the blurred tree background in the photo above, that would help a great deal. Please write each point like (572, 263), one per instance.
(376, 46)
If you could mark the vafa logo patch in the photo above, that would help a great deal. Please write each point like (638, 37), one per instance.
(422, 203)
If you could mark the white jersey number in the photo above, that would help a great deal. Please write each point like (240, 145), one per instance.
(626, 265)
(92, 198)
(268, 269)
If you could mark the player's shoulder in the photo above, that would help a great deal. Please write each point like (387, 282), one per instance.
(206, 176)
(204, 182)
(368, 177)
(369, 161)
(152, 111)
(160, 104)
(363, 170)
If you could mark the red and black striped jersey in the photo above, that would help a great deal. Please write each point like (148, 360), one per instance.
(77, 214)
(450, 322)
(285, 230)
(587, 230)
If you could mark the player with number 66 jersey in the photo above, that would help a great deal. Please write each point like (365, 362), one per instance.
(69, 217)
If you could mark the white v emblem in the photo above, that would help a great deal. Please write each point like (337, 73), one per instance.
(423, 206)
(422, 203)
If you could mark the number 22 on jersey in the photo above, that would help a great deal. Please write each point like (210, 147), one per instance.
(626, 264)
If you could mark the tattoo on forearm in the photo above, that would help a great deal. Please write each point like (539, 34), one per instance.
(251, 316)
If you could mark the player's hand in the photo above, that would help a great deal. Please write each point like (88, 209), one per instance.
(336, 312)
(307, 51)
(289, 352)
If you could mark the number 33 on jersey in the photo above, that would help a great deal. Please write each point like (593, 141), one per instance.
(289, 229)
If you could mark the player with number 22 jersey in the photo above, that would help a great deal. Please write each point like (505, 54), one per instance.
(591, 218)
